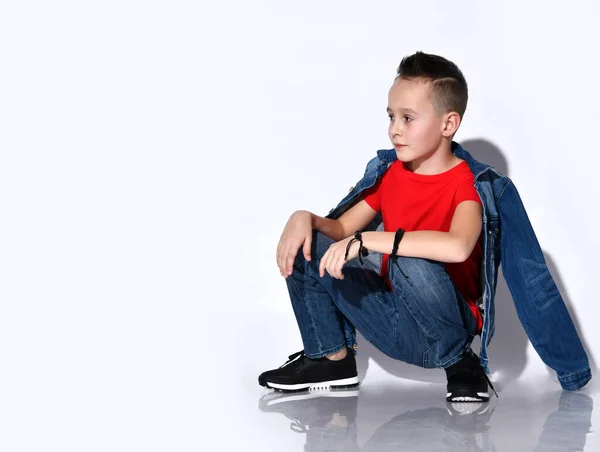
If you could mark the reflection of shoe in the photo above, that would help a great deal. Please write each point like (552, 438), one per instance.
(435, 429)
(467, 408)
(301, 373)
(467, 381)
(268, 401)
(328, 418)
(472, 421)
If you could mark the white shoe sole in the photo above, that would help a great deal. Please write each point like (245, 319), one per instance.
(467, 408)
(310, 386)
(483, 397)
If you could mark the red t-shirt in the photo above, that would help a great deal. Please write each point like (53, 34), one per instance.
(417, 202)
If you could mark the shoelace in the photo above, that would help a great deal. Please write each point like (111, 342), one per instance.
(482, 373)
(293, 357)
(489, 383)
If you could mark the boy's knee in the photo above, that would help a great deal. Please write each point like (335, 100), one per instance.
(299, 260)
(319, 245)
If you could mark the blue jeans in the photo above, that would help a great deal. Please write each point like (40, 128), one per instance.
(419, 322)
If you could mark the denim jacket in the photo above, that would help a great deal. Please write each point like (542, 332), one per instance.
(508, 239)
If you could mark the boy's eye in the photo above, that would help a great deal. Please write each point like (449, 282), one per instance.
(405, 118)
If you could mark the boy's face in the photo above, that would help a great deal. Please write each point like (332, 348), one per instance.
(416, 129)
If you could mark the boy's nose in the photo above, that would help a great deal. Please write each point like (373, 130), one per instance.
(396, 130)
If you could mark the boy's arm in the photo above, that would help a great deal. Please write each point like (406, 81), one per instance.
(436, 245)
(354, 219)
(331, 228)
(455, 245)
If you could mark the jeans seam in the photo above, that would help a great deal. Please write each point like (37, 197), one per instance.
(396, 336)
(308, 310)
(424, 329)
(463, 306)
(425, 357)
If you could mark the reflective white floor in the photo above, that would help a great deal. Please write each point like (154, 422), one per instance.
(409, 417)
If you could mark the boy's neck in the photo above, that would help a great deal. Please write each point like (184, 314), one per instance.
(442, 160)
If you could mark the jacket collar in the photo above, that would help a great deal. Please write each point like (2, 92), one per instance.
(389, 155)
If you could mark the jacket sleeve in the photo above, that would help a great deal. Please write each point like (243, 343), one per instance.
(538, 302)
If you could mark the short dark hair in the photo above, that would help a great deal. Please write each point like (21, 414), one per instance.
(449, 88)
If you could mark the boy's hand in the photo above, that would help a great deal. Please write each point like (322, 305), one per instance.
(333, 259)
(297, 232)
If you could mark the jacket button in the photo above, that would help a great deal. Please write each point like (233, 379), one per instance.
(351, 188)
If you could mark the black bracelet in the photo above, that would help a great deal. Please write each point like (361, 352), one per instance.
(397, 237)
(362, 251)
(348, 247)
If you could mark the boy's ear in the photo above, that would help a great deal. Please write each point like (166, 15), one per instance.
(451, 124)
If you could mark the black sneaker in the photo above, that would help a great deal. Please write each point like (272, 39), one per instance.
(301, 373)
(467, 382)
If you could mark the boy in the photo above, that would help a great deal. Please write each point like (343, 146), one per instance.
(435, 288)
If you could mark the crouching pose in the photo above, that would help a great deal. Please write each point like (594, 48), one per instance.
(409, 257)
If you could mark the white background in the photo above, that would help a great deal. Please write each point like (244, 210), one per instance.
(153, 151)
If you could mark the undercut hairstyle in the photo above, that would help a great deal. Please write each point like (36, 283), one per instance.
(448, 85)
